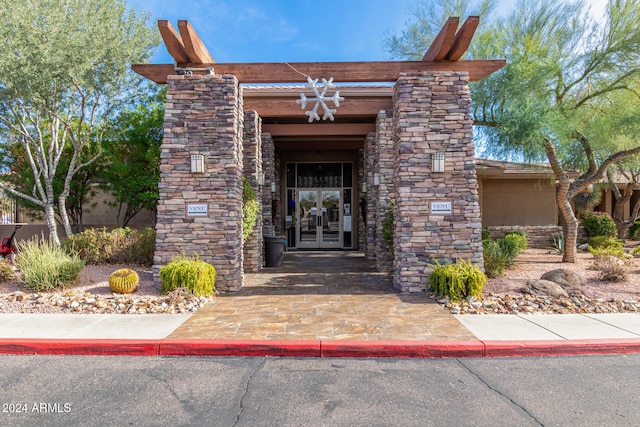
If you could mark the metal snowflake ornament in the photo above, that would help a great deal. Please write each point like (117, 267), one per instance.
(320, 99)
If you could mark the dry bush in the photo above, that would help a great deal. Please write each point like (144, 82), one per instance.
(611, 268)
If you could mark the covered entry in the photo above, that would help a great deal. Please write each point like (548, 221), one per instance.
(406, 138)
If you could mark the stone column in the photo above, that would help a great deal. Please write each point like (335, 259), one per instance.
(370, 196)
(268, 167)
(201, 213)
(358, 215)
(252, 161)
(432, 115)
(385, 191)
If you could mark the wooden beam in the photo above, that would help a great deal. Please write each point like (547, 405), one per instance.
(327, 129)
(196, 50)
(443, 41)
(375, 71)
(463, 39)
(173, 41)
(283, 107)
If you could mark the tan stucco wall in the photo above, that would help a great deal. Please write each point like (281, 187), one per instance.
(517, 202)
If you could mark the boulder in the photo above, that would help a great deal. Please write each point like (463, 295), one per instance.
(565, 278)
(544, 287)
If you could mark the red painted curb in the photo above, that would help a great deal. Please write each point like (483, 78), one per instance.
(105, 347)
(402, 349)
(271, 348)
(333, 348)
(561, 347)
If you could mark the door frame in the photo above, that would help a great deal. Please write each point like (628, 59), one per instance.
(320, 221)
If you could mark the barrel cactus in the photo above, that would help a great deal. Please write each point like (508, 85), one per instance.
(123, 281)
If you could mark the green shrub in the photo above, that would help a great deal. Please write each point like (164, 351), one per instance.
(46, 266)
(607, 252)
(387, 225)
(600, 242)
(457, 281)
(598, 224)
(250, 209)
(486, 234)
(510, 249)
(519, 237)
(190, 273)
(636, 252)
(498, 255)
(6, 271)
(634, 231)
(119, 246)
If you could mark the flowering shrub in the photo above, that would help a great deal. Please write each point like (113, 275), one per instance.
(598, 223)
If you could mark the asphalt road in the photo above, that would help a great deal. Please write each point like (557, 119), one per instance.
(229, 391)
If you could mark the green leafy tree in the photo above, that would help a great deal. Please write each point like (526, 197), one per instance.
(64, 71)
(132, 153)
(562, 65)
(81, 191)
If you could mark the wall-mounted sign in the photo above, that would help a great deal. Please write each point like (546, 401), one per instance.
(197, 209)
(346, 224)
(440, 207)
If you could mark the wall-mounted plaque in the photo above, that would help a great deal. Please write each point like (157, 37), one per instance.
(440, 207)
(197, 209)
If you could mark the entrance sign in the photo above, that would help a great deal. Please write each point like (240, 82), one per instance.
(197, 209)
(440, 207)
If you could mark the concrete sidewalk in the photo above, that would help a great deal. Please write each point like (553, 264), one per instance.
(498, 327)
(320, 304)
(495, 335)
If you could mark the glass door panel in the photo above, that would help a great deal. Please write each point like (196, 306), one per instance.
(331, 226)
(320, 224)
(308, 224)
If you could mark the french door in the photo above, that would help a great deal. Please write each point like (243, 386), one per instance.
(320, 219)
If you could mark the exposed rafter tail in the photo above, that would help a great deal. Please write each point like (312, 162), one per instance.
(173, 42)
(463, 39)
(195, 48)
(443, 41)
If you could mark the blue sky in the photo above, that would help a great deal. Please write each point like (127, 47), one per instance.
(290, 30)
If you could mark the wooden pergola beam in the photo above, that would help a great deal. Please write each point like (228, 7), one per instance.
(279, 72)
(173, 41)
(443, 41)
(278, 108)
(463, 39)
(320, 129)
(195, 48)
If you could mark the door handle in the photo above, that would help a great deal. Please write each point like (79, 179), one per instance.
(318, 221)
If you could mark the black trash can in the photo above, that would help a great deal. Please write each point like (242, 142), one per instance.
(273, 250)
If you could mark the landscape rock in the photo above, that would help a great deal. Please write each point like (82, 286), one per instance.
(542, 287)
(566, 278)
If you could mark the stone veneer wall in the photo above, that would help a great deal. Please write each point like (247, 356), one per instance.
(276, 211)
(203, 114)
(384, 167)
(432, 114)
(252, 162)
(370, 197)
(356, 203)
(268, 167)
(538, 236)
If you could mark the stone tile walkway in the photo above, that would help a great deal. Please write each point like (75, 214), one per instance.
(322, 296)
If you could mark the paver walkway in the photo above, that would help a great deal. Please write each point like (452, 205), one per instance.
(322, 296)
